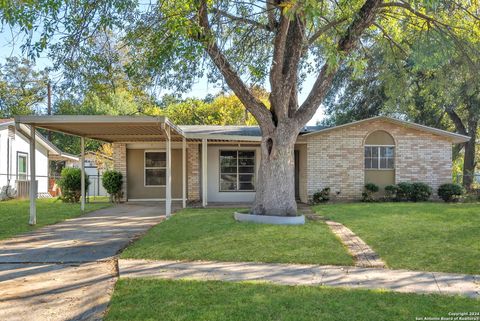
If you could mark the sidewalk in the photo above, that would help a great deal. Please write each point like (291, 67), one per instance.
(295, 274)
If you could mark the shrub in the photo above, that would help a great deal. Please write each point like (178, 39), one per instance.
(370, 190)
(420, 192)
(70, 184)
(112, 182)
(322, 196)
(472, 196)
(404, 191)
(391, 192)
(450, 192)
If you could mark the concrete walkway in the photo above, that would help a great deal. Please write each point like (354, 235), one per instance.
(293, 274)
(67, 271)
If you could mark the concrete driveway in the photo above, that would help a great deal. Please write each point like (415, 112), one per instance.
(67, 271)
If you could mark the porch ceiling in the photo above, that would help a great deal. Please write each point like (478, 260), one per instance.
(108, 128)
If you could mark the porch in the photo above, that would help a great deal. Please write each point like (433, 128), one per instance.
(147, 150)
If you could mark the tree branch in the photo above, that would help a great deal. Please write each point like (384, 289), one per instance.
(272, 21)
(346, 44)
(457, 121)
(324, 29)
(409, 8)
(242, 19)
(251, 103)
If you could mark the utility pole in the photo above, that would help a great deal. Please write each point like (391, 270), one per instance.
(49, 105)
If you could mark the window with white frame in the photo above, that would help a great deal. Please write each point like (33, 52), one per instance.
(22, 166)
(237, 170)
(379, 157)
(155, 168)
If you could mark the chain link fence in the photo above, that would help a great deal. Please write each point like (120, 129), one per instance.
(476, 179)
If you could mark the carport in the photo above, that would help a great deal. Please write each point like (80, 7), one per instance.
(110, 129)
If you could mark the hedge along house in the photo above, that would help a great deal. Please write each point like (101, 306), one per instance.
(161, 161)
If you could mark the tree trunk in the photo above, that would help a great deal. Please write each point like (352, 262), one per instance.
(469, 157)
(275, 190)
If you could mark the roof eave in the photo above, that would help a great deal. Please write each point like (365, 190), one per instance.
(454, 137)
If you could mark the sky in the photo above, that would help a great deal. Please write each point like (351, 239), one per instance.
(200, 89)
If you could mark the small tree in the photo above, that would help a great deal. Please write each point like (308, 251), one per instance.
(112, 182)
(70, 184)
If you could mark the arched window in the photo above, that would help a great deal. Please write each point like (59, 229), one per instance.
(379, 151)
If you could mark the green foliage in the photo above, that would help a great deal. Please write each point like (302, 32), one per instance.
(369, 190)
(404, 191)
(112, 182)
(391, 192)
(451, 192)
(22, 88)
(321, 196)
(420, 192)
(70, 184)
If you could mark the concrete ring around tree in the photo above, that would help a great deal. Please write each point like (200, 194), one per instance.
(268, 219)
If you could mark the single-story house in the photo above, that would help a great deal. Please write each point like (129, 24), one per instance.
(15, 160)
(164, 161)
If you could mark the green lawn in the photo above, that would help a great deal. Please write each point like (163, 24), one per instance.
(213, 234)
(418, 236)
(154, 299)
(14, 214)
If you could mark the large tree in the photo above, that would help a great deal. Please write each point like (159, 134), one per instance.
(23, 89)
(434, 81)
(241, 43)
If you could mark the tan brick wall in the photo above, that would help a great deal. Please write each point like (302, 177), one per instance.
(335, 158)
(193, 173)
(120, 164)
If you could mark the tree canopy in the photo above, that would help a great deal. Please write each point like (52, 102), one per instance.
(22, 88)
(241, 44)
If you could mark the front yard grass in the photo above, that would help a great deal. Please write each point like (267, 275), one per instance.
(14, 214)
(213, 234)
(154, 299)
(418, 236)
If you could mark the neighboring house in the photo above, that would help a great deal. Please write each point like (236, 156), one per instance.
(95, 165)
(220, 163)
(14, 158)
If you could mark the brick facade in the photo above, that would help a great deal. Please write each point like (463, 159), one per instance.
(335, 158)
(120, 164)
(193, 173)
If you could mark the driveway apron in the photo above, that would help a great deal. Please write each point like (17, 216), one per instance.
(67, 271)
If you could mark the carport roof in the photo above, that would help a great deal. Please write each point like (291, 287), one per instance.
(107, 128)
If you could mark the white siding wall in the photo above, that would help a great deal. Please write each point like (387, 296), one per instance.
(21, 144)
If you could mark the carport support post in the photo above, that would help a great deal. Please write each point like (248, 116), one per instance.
(33, 176)
(168, 192)
(82, 169)
(184, 172)
(204, 172)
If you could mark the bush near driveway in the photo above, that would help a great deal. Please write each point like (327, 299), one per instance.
(112, 182)
(70, 184)
(419, 236)
(167, 300)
